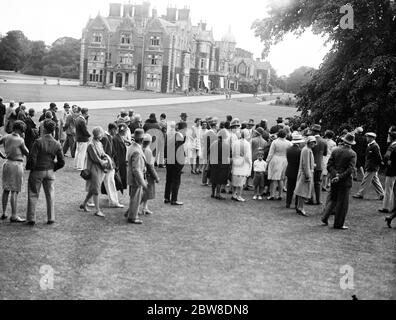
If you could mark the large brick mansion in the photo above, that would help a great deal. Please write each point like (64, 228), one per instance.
(131, 49)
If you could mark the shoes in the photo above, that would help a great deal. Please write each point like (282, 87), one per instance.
(301, 212)
(212, 195)
(161, 166)
(230, 192)
(220, 197)
(223, 191)
(279, 198)
(82, 207)
(176, 203)
(50, 222)
(193, 172)
(198, 171)
(126, 214)
(147, 211)
(90, 205)
(4, 217)
(240, 199)
(381, 198)
(234, 198)
(17, 220)
(309, 202)
(31, 223)
(271, 198)
(383, 210)
(324, 189)
(388, 221)
(204, 184)
(137, 221)
(342, 228)
(324, 222)
(118, 205)
(357, 196)
(166, 201)
(99, 214)
(259, 198)
(254, 197)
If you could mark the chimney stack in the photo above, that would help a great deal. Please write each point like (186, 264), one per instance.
(115, 10)
(154, 13)
(184, 14)
(127, 10)
(171, 14)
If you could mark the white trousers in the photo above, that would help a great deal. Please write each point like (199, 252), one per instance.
(81, 154)
(110, 186)
(390, 189)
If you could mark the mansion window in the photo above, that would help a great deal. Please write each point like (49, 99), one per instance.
(97, 37)
(154, 41)
(94, 76)
(126, 58)
(202, 64)
(97, 56)
(153, 59)
(153, 80)
(125, 38)
(242, 68)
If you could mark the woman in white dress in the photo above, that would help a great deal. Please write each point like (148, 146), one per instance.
(241, 165)
(194, 146)
(277, 163)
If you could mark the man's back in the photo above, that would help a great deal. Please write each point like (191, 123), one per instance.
(43, 153)
(293, 161)
(342, 161)
(319, 150)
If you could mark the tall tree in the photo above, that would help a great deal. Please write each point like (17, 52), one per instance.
(356, 84)
(35, 58)
(299, 78)
(13, 50)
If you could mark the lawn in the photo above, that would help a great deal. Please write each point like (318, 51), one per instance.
(45, 93)
(205, 249)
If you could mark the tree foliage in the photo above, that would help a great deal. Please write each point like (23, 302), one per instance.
(356, 83)
(62, 59)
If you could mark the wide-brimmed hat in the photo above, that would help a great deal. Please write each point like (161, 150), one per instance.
(251, 122)
(316, 128)
(371, 134)
(122, 126)
(297, 138)
(311, 139)
(259, 131)
(280, 119)
(235, 123)
(349, 139)
(183, 114)
(359, 129)
(146, 137)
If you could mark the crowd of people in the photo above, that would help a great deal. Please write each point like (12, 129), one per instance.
(232, 157)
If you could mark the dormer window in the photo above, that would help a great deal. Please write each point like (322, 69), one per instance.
(97, 37)
(125, 38)
(154, 41)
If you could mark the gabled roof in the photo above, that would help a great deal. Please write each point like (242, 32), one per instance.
(159, 24)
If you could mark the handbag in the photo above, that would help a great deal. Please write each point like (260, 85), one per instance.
(85, 174)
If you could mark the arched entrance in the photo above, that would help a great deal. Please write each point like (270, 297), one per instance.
(118, 81)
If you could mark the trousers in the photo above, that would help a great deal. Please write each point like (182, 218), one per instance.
(111, 188)
(36, 179)
(70, 143)
(135, 197)
(173, 179)
(337, 202)
(81, 153)
(370, 177)
(291, 185)
(389, 201)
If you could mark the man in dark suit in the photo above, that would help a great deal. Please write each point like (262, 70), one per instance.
(319, 150)
(341, 165)
(2, 112)
(371, 168)
(293, 165)
(279, 125)
(175, 162)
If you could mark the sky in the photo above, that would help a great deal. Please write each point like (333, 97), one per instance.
(49, 20)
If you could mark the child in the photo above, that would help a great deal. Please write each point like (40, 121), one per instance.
(259, 167)
(152, 176)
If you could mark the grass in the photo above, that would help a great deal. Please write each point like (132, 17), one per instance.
(204, 250)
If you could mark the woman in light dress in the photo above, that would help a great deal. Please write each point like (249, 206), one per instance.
(331, 144)
(194, 147)
(305, 181)
(277, 163)
(241, 165)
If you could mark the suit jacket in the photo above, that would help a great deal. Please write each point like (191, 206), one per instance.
(319, 150)
(293, 161)
(2, 113)
(136, 166)
(390, 155)
(342, 162)
(373, 157)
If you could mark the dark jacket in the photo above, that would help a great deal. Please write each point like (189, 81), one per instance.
(342, 162)
(82, 134)
(293, 161)
(31, 133)
(319, 150)
(373, 157)
(43, 153)
(151, 124)
(360, 149)
(390, 155)
(121, 164)
(2, 113)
